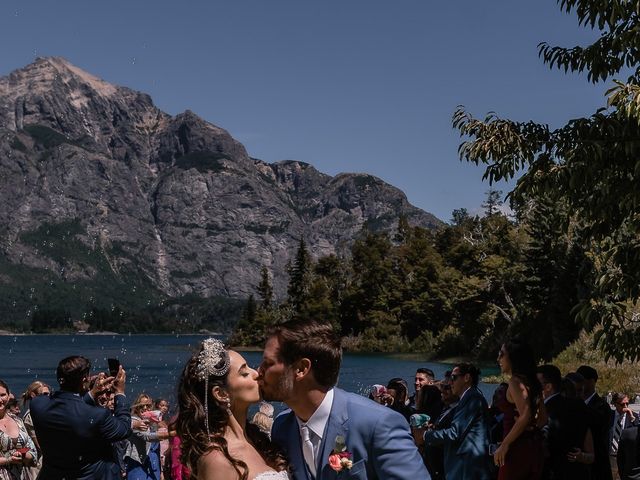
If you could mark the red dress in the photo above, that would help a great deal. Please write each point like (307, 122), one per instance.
(525, 457)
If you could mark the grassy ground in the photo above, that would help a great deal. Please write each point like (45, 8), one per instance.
(612, 377)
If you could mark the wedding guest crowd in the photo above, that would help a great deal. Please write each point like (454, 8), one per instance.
(539, 426)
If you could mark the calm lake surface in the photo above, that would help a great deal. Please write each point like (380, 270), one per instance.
(154, 362)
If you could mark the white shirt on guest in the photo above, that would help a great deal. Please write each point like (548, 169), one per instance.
(587, 400)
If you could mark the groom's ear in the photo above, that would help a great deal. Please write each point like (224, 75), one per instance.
(302, 368)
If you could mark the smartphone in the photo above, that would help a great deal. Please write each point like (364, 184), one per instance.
(23, 450)
(114, 366)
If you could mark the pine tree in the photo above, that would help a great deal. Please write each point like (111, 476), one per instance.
(554, 268)
(265, 289)
(404, 229)
(459, 216)
(299, 278)
(493, 202)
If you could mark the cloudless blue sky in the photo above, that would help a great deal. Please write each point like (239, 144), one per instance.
(346, 85)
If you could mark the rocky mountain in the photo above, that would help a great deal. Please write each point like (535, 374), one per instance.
(100, 188)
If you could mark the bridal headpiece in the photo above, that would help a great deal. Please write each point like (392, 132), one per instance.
(214, 360)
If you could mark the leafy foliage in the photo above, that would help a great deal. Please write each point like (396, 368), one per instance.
(590, 166)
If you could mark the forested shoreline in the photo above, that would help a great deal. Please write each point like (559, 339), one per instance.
(456, 291)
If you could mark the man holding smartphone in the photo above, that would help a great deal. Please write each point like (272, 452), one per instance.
(75, 435)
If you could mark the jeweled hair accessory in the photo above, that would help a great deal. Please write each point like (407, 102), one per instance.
(214, 360)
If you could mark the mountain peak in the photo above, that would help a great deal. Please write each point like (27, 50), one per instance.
(44, 72)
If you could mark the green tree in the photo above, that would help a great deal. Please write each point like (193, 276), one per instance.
(265, 289)
(326, 291)
(373, 284)
(404, 229)
(299, 278)
(555, 273)
(592, 164)
(459, 216)
(493, 202)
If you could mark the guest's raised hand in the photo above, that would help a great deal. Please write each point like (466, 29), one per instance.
(139, 425)
(386, 400)
(120, 381)
(101, 384)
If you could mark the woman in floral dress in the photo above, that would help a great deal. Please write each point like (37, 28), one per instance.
(17, 450)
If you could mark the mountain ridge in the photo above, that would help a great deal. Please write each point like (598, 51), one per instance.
(174, 201)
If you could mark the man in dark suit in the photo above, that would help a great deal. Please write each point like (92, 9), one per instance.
(601, 414)
(628, 464)
(566, 429)
(466, 440)
(434, 455)
(75, 435)
(623, 418)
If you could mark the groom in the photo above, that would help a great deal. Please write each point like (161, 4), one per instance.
(300, 367)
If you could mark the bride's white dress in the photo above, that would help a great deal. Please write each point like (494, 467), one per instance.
(272, 475)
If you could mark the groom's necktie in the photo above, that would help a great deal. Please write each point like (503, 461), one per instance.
(307, 449)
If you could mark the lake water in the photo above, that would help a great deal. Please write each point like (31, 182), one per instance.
(154, 362)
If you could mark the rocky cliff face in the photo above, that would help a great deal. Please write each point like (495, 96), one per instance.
(95, 181)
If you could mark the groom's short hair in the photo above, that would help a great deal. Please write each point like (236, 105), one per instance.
(313, 340)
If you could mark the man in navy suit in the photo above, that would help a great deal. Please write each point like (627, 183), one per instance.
(300, 367)
(627, 458)
(623, 419)
(600, 423)
(466, 439)
(75, 435)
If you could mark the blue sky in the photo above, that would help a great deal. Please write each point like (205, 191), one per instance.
(346, 85)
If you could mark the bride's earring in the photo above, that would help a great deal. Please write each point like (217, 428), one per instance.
(228, 406)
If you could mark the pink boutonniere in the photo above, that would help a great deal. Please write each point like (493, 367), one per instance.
(340, 458)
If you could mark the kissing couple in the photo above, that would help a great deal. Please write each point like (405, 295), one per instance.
(327, 433)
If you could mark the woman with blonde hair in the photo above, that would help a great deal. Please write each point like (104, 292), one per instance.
(34, 389)
(142, 455)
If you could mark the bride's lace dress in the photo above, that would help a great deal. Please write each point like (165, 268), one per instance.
(272, 475)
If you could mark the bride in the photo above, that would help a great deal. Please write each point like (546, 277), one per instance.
(218, 443)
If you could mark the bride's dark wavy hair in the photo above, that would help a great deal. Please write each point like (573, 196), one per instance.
(191, 427)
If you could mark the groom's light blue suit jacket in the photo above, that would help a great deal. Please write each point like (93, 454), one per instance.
(378, 438)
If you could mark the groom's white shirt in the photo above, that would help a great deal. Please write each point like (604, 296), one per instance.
(317, 423)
